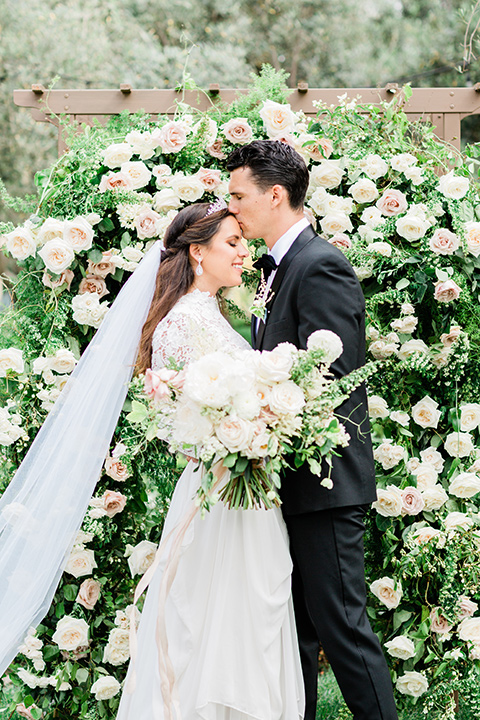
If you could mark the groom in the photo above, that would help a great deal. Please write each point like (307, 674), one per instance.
(313, 286)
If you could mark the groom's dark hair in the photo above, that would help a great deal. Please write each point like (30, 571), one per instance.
(272, 162)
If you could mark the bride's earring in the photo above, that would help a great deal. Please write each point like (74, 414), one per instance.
(199, 269)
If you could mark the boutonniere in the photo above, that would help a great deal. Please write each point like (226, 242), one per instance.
(262, 297)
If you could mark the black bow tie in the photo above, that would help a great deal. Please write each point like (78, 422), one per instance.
(266, 263)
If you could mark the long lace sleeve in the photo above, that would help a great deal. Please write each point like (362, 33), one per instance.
(193, 328)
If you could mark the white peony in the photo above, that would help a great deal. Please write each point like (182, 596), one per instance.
(190, 426)
(425, 412)
(206, 380)
(389, 501)
(141, 557)
(377, 407)
(71, 633)
(20, 243)
(105, 687)
(388, 591)
(57, 254)
(327, 341)
(401, 647)
(465, 485)
(469, 416)
(459, 444)
(452, 186)
(412, 683)
(11, 359)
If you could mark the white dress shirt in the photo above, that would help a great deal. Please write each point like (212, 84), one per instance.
(281, 247)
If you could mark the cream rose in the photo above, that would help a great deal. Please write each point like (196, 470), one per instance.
(188, 187)
(425, 412)
(413, 502)
(377, 407)
(446, 291)
(141, 557)
(115, 469)
(381, 248)
(444, 242)
(458, 444)
(430, 455)
(165, 200)
(105, 267)
(372, 217)
(88, 593)
(115, 155)
(412, 227)
(105, 687)
(50, 229)
(87, 309)
(388, 591)
(209, 178)
(274, 366)
(382, 350)
(328, 174)
(21, 244)
(93, 284)
(117, 650)
(143, 143)
(472, 238)
(392, 202)
(63, 361)
(465, 485)
(57, 254)
(401, 647)
(425, 534)
(389, 501)
(426, 476)
(402, 418)
(458, 520)
(388, 454)
(374, 166)
(81, 562)
(449, 338)
(412, 683)
(341, 240)
(113, 502)
(237, 131)
(466, 607)
(147, 224)
(138, 172)
(334, 223)
(469, 416)
(172, 137)
(469, 630)
(11, 359)
(277, 118)
(71, 633)
(364, 191)
(402, 161)
(410, 347)
(452, 186)
(78, 233)
(327, 341)
(406, 324)
(286, 398)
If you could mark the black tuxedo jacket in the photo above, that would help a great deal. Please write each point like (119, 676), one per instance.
(315, 287)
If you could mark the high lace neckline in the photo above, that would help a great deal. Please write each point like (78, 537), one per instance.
(196, 292)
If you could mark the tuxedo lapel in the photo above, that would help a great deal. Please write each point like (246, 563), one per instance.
(305, 237)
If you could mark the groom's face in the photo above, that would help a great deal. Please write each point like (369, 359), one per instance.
(250, 205)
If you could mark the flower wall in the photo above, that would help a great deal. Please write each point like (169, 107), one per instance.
(404, 209)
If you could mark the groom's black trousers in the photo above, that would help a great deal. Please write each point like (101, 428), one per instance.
(329, 595)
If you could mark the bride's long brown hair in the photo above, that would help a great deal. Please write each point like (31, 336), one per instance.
(175, 274)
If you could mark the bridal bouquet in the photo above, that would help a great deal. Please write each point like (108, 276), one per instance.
(252, 412)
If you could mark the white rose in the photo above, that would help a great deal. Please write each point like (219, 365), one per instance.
(430, 455)
(364, 191)
(472, 238)
(382, 248)
(374, 166)
(387, 591)
(117, 651)
(132, 254)
(389, 501)
(402, 418)
(434, 497)
(452, 186)
(115, 155)
(81, 562)
(425, 412)
(458, 520)
(286, 398)
(469, 416)
(63, 361)
(143, 143)
(327, 341)
(57, 254)
(166, 199)
(235, 433)
(88, 310)
(11, 359)
(377, 407)
(334, 223)
(328, 174)
(363, 273)
(415, 175)
(426, 475)
(50, 229)
(277, 118)
(412, 465)
(444, 242)
(465, 485)
(406, 324)
(382, 350)
(372, 216)
(138, 172)
(78, 233)
(403, 161)
(105, 687)
(458, 444)
(21, 244)
(274, 366)
(141, 557)
(188, 187)
(401, 647)
(469, 630)
(425, 534)
(70, 633)
(412, 683)
(412, 227)
(388, 454)
(410, 347)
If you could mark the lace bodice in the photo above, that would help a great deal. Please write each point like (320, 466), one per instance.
(193, 328)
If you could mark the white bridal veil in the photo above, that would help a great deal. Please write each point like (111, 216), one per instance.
(43, 507)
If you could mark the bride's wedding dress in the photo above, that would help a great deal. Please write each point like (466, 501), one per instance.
(228, 615)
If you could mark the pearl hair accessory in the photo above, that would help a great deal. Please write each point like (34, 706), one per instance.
(214, 207)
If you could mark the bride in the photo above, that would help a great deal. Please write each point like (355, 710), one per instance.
(228, 616)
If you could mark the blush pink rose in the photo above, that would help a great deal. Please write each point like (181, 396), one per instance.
(412, 501)
(447, 339)
(105, 267)
(444, 242)
(341, 240)
(156, 384)
(65, 277)
(116, 469)
(392, 202)
(439, 624)
(466, 607)
(116, 181)
(88, 593)
(93, 284)
(323, 148)
(147, 224)
(446, 291)
(209, 178)
(172, 137)
(215, 150)
(113, 502)
(238, 131)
